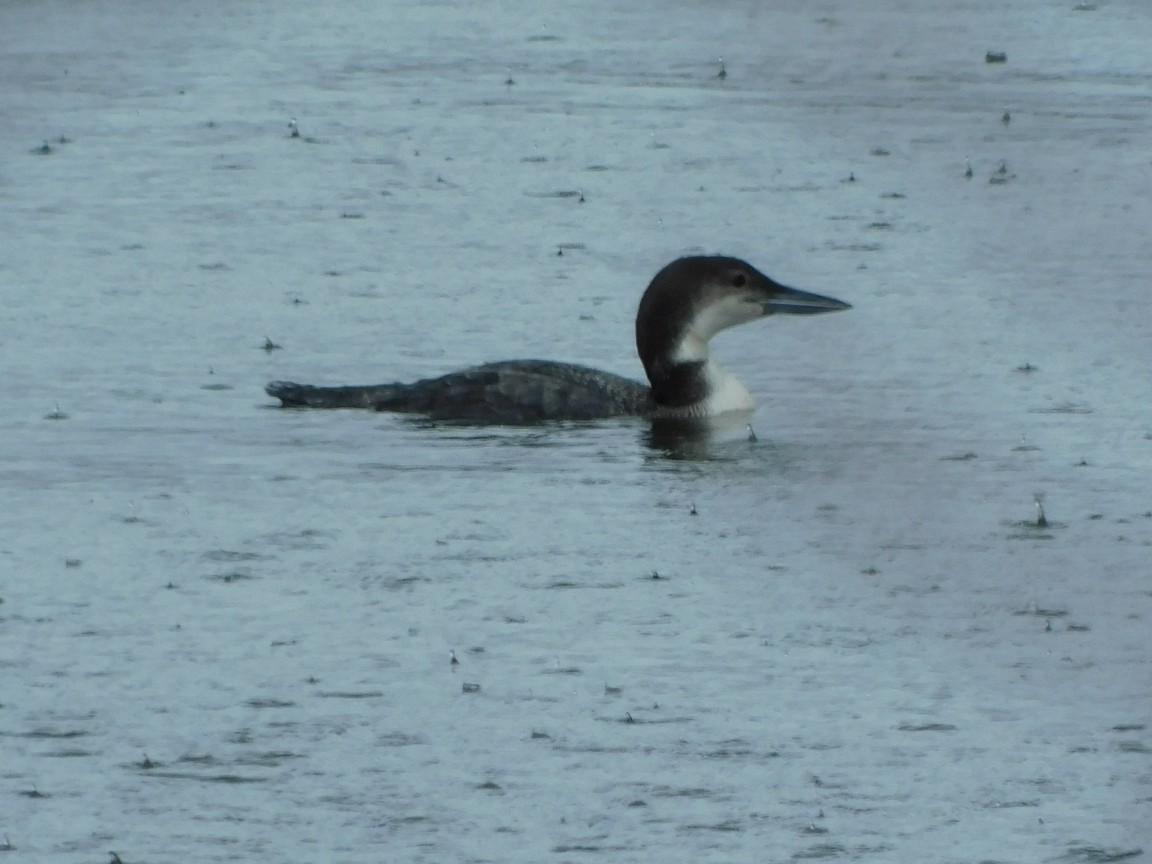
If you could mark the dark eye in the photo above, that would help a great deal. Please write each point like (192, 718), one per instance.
(739, 280)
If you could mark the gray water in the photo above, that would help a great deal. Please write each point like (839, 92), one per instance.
(226, 628)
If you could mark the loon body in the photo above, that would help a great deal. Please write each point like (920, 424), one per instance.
(686, 304)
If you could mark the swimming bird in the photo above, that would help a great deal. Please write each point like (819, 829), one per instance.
(687, 303)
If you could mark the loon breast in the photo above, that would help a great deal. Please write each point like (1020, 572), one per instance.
(687, 302)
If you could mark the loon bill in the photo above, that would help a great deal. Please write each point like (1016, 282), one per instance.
(687, 303)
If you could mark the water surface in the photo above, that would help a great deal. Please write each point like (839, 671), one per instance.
(226, 628)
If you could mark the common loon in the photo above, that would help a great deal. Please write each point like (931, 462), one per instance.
(686, 304)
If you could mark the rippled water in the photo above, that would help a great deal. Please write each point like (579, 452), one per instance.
(226, 628)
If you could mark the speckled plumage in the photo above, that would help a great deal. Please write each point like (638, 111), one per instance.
(510, 391)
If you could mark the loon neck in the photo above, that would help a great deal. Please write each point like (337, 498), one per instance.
(695, 388)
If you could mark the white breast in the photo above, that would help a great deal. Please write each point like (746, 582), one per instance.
(725, 392)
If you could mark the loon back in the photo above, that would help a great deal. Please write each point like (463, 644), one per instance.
(513, 392)
(685, 305)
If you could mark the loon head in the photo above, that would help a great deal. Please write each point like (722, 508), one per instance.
(689, 302)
